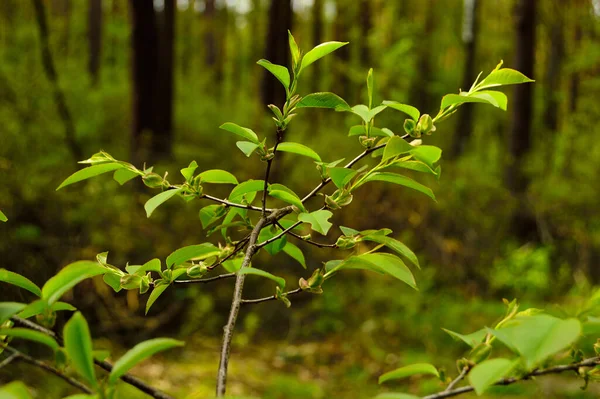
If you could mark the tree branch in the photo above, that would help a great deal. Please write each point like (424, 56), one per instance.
(205, 280)
(278, 236)
(458, 379)
(128, 378)
(268, 171)
(8, 360)
(34, 362)
(235, 204)
(272, 297)
(591, 362)
(298, 236)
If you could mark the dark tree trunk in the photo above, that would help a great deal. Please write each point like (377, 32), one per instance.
(317, 38)
(519, 135)
(341, 32)
(95, 39)
(280, 21)
(188, 39)
(52, 75)
(420, 93)
(554, 66)
(366, 25)
(210, 38)
(161, 144)
(465, 118)
(575, 78)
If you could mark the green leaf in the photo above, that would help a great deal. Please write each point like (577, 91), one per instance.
(16, 279)
(250, 270)
(295, 252)
(349, 232)
(488, 372)
(538, 337)
(427, 154)
(30, 335)
(276, 246)
(503, 77)
(139, 353)
(113, 280)
(81, 396)
(14, 390)
(78, 344)
(244, 132)
(341, 176)
(417, 166)
(8, 309)
(407, 109)
(249, 186)
(280, 72)
(319, 220)
(407, 371)
(293, 48)
(154, 202)
(158, 289)
(370, 86)
(495, 98)
(217, 176)
(401, 180)
(384, 132)
(283, 193)
(300, 149)
(357, 130)
(122, 176)
(395, 246)
(472, 339)
(68, 277)
(380, 263)
(233, 265)
(34, 308)
(199, 251)
(89, 172)
(3, 217)
(60, 306)
(319, 52)
(188, 172)
(208, 214)
(246, 147)
(324, 100)
(365, 113)
(396, 146)
(152, 265)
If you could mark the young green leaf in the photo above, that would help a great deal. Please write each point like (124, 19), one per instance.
(123, 175)
(233, 265)
(8, 309)
(341, 176)
(427, 154)
(154, 202)
(495, 98)
(503, 77)
(89, 172)
(407, 371)
(394, 147)
(139, 353)
(280, 72)
(293, 48)
(14, 390)
(200, 251)
(78, 344)
(380, 263)
(395, 246)
(488, 372)
(60, 306)
(295, 252)
(283, 193)
(152, 265)
(417, 166)
(246, 147)
(113, 280)
(319, 220)
(401, 180)
(188, 172)
(156, 292)
(30, 335)
(407, 109)
(16, 279)
(249, 186)
(300, 149)
(318, 52)
(370, 87)
(324, 100)
(365, 113)
(349, 232)
(276, 246)
(68, 277)
(472, 339)
(250, 270)
(244, 132)
(217, 176)
(3, 217)
(208, 215)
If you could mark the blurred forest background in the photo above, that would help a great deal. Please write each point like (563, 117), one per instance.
(517, 212)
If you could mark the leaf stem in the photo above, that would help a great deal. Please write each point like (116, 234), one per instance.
(271, 298)
(205, 280)
(234, 204)
(316, 244)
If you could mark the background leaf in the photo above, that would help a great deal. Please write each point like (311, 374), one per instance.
(20, 281)
(68, 277)
(407, 371)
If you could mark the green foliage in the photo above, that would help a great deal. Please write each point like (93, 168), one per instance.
(78, 344)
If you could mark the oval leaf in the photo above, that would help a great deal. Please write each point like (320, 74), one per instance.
(244, 132)
(407, 109)
(396, 146)
(199, 251)
(287, 196)
(249, 186)
(68, 277)
(8, 309)
(319, 220)
(122, 176)
(488, 372)
(472, 339)
(246, 147)
(20, 281)
(295, 252)
(90, 171)
(280, 72)
(502, 77)
(30, 335)
(156, 292)
(401, 180)
(250, 270)
(154, 202)
(324, 100)
(395, 246)
(218, 176)
(341, 176)
(139, 353)
(407, 371)
(319, 52)
(78, 344)
(427, 154)
(300, 149)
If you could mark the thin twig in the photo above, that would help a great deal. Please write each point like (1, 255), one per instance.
(9, 360)
(234, 204)
(268, 172)
(458, 379)
(591, 362)
(128, 378)
(237, 248)
(34, 362)
(298, 236)
(278, 236)
(205, 280)
(271, 298)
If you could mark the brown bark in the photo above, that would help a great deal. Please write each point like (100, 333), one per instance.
(94, 39)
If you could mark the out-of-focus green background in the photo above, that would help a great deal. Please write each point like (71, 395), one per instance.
(67, 90)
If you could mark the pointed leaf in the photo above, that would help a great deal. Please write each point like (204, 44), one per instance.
(488, 372)
(401, 180)
(370, 87)
(295, 252)
(60, 306)
(122, 176)
(244, 132)
(417, 166)
(280, 72)
(249, 186)
(152, 265)
(34, 308)
(427, 154)
(472, 339)
(396, 146)
(30, 335)
(275, 246)
(3, 217)
(78, 344)
(502, 77)
(20, 281)
(154, 202)
(320, 51)
(156, 292)
(300, 149)
(495, 98)
(68, 277)
(395, 246)
(293, 48)
(341, 176)
(188, 172)
(246, 147)
(324, 100)
(407, 371)
(380, 263)
(283, 193)
(199, 251)
(348, 232)
(139, 353)
(250, 270)
(218, 176)
(319, 220)
(89, 172)
(8, 309)
(407, 109)
(357, 130)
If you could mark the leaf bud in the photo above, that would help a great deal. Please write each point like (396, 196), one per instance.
(345, 242)
(152, 180)
(314, 282)
(462, 363)
(409, 128)
(47, 318)
(145, 284)
(425, 124)
(367, 142)
(480, 353)
(130, 281)
(197, 271)
(281, 296)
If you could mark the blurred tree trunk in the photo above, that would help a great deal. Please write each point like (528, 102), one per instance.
(94, 39)
(519, 135)
(188, 38)
(280, 21)
(317, 38)
(420, 92)
(62, 9)
(470, 32)
(575, 75)
(162, 141)
(554, 65)
(210, 37)
(341, 31)
(52, 75)
(366, 25)
(113, 47)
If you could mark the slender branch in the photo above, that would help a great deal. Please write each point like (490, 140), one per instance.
(458, 379)
(128, 378)
(591, 362)
(272, 297)
(298, 236)
(9, 360)
(205, 280)
(235, 204)
(268, 172)
(278, 236)
(34, 362)
(238, 247)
